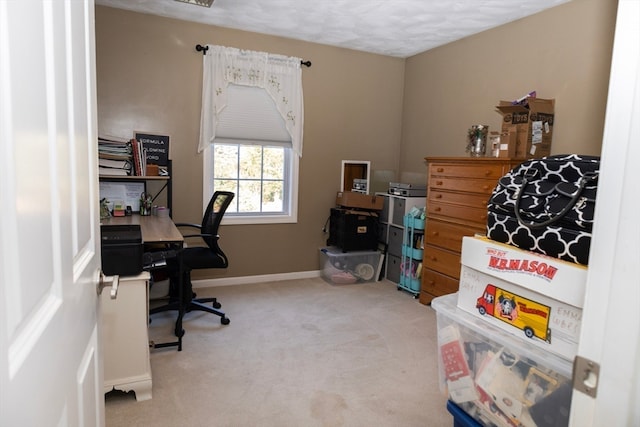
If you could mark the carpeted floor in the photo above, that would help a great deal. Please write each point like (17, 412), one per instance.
(296, 353)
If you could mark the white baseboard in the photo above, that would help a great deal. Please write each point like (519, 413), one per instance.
(246, 280)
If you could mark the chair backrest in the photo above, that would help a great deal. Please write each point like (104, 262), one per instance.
(216, 208)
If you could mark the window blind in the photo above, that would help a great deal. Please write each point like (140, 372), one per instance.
(251, 114)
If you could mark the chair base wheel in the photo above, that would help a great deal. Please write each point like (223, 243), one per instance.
(216, 305)
(225, 320)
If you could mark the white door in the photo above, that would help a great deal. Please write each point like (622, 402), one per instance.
(50, 354)
(610, 331)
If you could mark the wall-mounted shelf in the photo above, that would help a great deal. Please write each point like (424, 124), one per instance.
(133, 178)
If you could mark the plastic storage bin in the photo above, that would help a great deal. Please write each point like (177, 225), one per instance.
(497, 378)
(341, 268)
(461, 418)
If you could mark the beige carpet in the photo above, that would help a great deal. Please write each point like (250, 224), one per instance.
(296, 353)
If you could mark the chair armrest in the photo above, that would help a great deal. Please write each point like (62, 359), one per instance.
(217, 236)
(185, 224)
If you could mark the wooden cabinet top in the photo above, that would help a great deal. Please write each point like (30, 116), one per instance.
(471, 160)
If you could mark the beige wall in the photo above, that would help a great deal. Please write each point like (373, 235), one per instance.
(149, 79)
(562, 53)
(358, 106)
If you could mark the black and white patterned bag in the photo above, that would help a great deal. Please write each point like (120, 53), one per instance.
(546, 205)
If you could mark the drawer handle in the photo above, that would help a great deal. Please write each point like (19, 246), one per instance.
(435, 233)
(487, 173)
(432, 282)
(432, 258)
(486, 187)
(438, 196)
(440, 169)
(437, 209)
(439, 182)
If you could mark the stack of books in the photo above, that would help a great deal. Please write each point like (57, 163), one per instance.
(139, 158)
(115, 157)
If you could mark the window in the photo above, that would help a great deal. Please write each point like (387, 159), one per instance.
(255, 173)
(251, 132)
(252, 156)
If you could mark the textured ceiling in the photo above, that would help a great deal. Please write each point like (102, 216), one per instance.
(398, 28)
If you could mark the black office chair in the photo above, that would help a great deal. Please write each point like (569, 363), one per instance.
(181, 295)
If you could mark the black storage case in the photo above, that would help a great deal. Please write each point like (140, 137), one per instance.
(122, 250)
(352, 230)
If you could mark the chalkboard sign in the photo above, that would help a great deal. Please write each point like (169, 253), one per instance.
(157, 147)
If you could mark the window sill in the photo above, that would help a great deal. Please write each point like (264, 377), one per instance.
(266, 219)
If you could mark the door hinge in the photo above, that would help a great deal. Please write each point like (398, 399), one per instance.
(585, 376)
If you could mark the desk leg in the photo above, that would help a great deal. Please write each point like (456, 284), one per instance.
(181, 310)
(176, 303)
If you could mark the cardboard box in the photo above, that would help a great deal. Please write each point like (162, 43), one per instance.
(507, 141)
(496, 378)
(350, 199)
(533, 125)
(152, 170)
(532, 296)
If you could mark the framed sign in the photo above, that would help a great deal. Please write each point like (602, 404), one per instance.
(156, 147)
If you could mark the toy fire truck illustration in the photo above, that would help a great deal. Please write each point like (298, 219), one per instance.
(522, 313)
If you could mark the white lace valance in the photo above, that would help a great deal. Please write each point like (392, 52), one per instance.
(280, 76)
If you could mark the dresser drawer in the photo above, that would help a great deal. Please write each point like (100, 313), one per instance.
(476, 170)
(437, 284)
(467, 185)
(476, 215)
(447, 235)
(443, 261)
(465, 199)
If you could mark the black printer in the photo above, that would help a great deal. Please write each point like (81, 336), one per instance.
(122, 250)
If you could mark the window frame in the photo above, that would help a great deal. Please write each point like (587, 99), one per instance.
(231, 218)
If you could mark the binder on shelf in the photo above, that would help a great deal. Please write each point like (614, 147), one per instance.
(114, 157)
(139, 158)
(102, 171)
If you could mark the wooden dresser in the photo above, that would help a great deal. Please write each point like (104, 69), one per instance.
(458, 189)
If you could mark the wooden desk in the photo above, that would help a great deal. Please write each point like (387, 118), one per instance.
(125, 319)
(154, 229)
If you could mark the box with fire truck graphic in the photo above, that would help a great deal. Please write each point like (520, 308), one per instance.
(533, 296)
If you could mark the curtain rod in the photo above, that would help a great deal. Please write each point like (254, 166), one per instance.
(203, 49)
